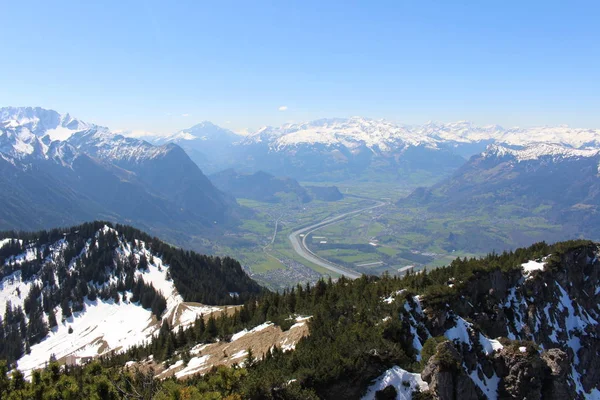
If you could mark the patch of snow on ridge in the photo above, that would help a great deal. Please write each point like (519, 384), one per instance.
(489, 386)
(531, 266)
(195, 365)
(100, 327)
(489, 345)
(390, 299)
(14, 291)
(59, 133)
(4, 242)
(405, 383)
(460, 332)
(258, 328)
(536, 151)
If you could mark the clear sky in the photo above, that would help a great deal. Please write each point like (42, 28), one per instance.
(159, 66)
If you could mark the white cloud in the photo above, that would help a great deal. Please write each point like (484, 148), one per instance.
(282, 108)
(185, 115)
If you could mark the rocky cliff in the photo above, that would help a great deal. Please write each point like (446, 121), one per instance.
(528, 332)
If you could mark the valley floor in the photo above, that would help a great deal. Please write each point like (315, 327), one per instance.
(389, 238)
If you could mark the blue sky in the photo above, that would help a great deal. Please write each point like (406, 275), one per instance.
(158, 66)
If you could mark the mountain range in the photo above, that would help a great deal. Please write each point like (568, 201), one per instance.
(338, 148)
(559, 183)
(56, 170)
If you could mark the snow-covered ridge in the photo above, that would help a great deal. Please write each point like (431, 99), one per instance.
(351, 132)
(27, 132)
(385, 135)
(559, 317)
(467, 132)
(537, 151)
(102, 325)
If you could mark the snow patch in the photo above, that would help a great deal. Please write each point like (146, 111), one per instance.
(195, 365)
(531, 266)
(102, 326)
(489, 386)
(489, 345)
(405, 383)
(460, 332)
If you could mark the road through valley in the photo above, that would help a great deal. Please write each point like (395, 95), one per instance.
(298, 239)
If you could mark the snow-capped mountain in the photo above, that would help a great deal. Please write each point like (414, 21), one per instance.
(33, 132)
(352, 133)
(537, 151)
(41, 122)
(467, 132)
(556, 182)
(70, 171)
(381, 135)
(211, 147)
(205, 131)
(337, 148)
(93, 289)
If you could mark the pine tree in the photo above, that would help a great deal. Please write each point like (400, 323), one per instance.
(52, 323)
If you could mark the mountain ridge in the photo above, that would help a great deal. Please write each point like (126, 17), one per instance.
(83, 276)
(99, 174)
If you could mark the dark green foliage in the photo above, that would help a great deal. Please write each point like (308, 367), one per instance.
(76, 266)
(429, 348)
(325, 193)
(354, 335)
(418, 395)
(446, 360)
(389, 393)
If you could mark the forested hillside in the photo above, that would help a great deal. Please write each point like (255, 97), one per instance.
(540, 302)
(50, 277)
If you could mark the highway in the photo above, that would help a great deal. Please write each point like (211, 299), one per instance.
(300, 247)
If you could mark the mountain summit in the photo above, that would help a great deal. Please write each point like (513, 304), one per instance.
(73, 171)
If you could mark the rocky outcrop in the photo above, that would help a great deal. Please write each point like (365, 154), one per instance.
(523, 373)
(556, 385)
(446, 378)
(526, 374)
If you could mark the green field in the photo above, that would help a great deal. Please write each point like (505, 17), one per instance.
(404, 236)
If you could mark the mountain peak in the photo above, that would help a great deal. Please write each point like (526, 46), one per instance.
(537, 151)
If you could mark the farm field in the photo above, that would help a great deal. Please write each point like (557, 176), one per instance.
(390, 238)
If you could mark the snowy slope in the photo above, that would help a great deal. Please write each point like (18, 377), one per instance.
(559, 318)
(386, 136)
(536, 151)
(29, 132)
(351, 133)
(405, 383)
(103, 325)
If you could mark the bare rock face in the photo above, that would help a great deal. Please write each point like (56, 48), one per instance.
(446, 377)
(589, 360)
(556, 386)
(521, 374)
(524, 374)
(529, 375)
